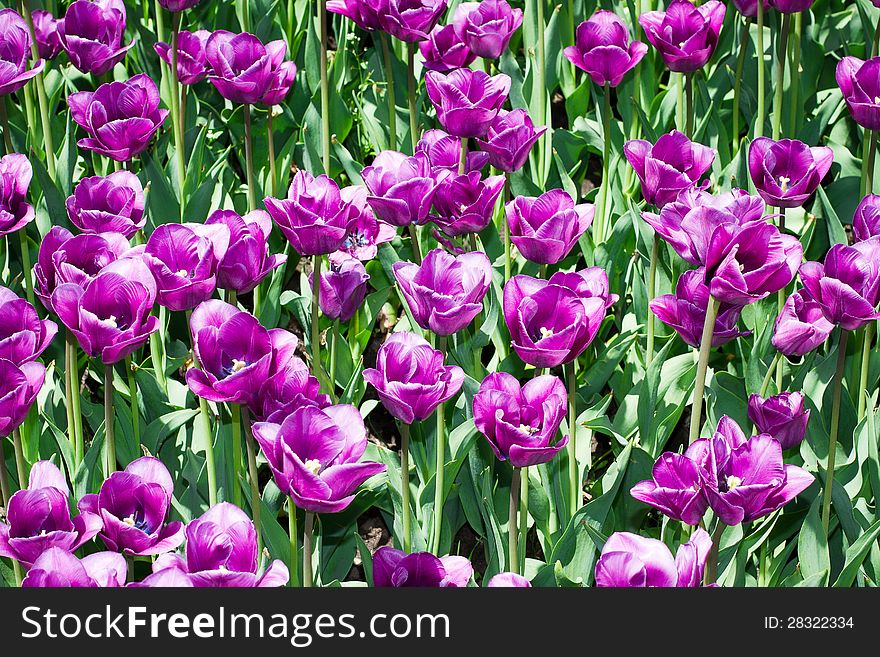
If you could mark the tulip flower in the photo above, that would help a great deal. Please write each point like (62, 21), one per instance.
(685, 311)
(629, 560)
(120, 117)
(178, 5)
(444, 152)
(134, 505)
(787, 172)
(59, 568)
(801, 326)
(364, 235)
(316, 215)
(91, 34)
(410, 377)
(445, 292)
(192, 62)
(221, 551)
(603, 49)
(242, 69)
(314, 455)
(684, 35)
(465, 204)
(397, 569)
(23, 335)
(247, 260)
(343, 288)
(510, 139)
(444, 51)
(46, 31)
(670, 166)
(185, 259)
(467, 101)
(15, 52)
(521, 422)
(782, 416)
(114, 204)
(167, 578)
(15, 178)
(412, 20)
(486, 27)
(19, 386)
(552, 322)
(791, 6)
(544, 229)
(401, 188)
(749, 8)
(859, 81)
(866, 221)
(280, 83)
(367, 14)
(508, 581)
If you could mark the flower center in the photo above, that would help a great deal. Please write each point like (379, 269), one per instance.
(129, 520)
(238, 365)
(783, 183)
(877, 100)
(732, 482)
(313, 466)
(183, 272)
(525, 428)
(112, 321)
(545, 332)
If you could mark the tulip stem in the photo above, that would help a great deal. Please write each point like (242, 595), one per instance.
(316, 332)
(333, 355)
(779, 82)
(71, 434)
(325, 88)
(133, 398)
(462, 157)
(869, 169)
(20, 463)
(26, 272)
(512, 528)
(835, 426)
(176, 125)
(414, 239)
(506, 228)
(5, 491)
(865, 369)
(689, 99)
(541, 87)
(253, 476)
(235, 413)
(39, 82)
(75, 401)
(249, 160)
(440, 463)
(523, 518)
(679, 107)
(294, 543)
(710, 573)
(206, 428)
(160, 22)
(795, 73)
(270, 136)
(604, 217)
(765, 384)
(762, 107)
(4, 122)
(389, 91)
(702, 366)
(574, 482)
(308, 573)
(413, 100)
(737, 81)
(404, 488)
(109, 421)
(652, 291)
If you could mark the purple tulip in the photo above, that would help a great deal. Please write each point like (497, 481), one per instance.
(401, 188)
(192, 63)
(444, 51)
(38, 518)
(134, 505)
(19, 386)
(521, 422)
(866, 221)
(91, 33)
(247, 260)
(782, 416)
(15, 178)
(343, 288)
(859, 81)
(445, 292)
(510, 139)
(315, 456)
(552, 322)
(15, 52)
(23, 335)
(666, 168)
(316, 215)
(365, 234)
(486, 27)
(685, 311)
(508, 581)
(444, 152)
(367, 14)
(791, 6)
(467, 101)
(46, 31)
(465, 204)
(280, 82)
(242, 69)
(749, 8)
(185, 259)
(412, 20)
(604, 50)
(397, 569)
(110, 316)
(114, 204)
(120, 117)
(166, 578)
(221, 551)
(178, 5)
(410, 377)
(801, 326)
(59, 568)
(544, 229)
(629, 560)
(684, 35)
(787, 172)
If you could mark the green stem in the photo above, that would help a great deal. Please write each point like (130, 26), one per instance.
(689, 94)
(737, 80)
(316, 332)
(779, 82)
(294, 543)
(605, 217)
(333, 354)
(440, 463)
(512, 527)
(76, 400)
(237, 460)
(523, 518)
(875, 46)
(160, 21)
(208, 437)
(109, 421)
(4, 122)
(711, 571)
(175, 109)
(637, 74)
(404, 488)
(5, 490)
(325, 88)
(40, 83)
(413, 99)
(68, 387)
(414, 240)
(26, 265)
(540, 85)
(270, 136)
(249, 160)
(575, 492)
(869, 168)
(652, 292)
(253, 476)
(679, 108)
(462, 157)
(765, 384)
(389, 91)
(308, 572)
(795, 73)
(135, 405)
(21, 468)
(865, 369)
(506, 229)
(157, 352)
(702, 366)
(835, 426)
(762, 107)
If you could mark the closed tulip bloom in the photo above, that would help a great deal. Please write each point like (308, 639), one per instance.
(401, 188)
(120, 117)
(603, 49)
(749, 7)
(47, 34)
(521, 422)
(221, 552)
(15, 178)
(787, 172)
(629, 560)
(316, 215)
(859, 81)
(397, 569)
(467, 101)
(91, 34)
(110, 317)
(243, 68)
(444, 51)
(782, 416)
(365, 234)
(23, 335)
(15, 52)
(791, 6)
(178, 5)
(19, 386)
(675, 489)
(544, 229)
(410, 377)
(412, 20)
(670, 166)
(445, 292)
(134, 505)
(192, 63)
(444, 151)
(247, 261)
(685, 311)
(60, 568)
(486, 27)
(367, 14)
(111, 204)
(684, 35)
(314, 455)
(508, 581)
(510, 139)
(866, 221)
(801, 326)
(465, 204)
(185, 259)
(343, 288)
(280, 82)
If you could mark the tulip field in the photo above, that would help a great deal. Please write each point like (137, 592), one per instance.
(431, 293)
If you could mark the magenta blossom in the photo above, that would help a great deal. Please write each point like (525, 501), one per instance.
(684, 35)
(508, 581)
(544, 229)
(364, 235)
(675, 489)
(510, 139)
(444, 152)
(464, 204)
(801, 326)
(749, 8)
(401, 188)
(178, 5)
(397, 569)
(59, 568)
(23, 335)
(467, 101)
(412, 20)
(629, 560)
(782, 416)
(91, 33)
(444, 51)
(343, 287)
(859, 81)
(192, 63)
(19, 387)
(15, 53)
(247, 261)
(367, 14)
(243, 69)
(15, 178)
(603, 49)
(791, 6)
(866, 220)
(486, 27)
(666, 168)
(47, 34)
(114, 204)
(787, 172)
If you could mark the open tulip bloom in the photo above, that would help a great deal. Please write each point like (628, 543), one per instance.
(486, 27)
(787, 172)
(60, 568)
(684, 35)
(544, 229)
(603, 49)
(15, 178)
(629, 560)
(467, 101)
(23, 335)
(15, 52)
(394, 568)
(112, 204)
(668, 167)
(91, 34)
(866, 221)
